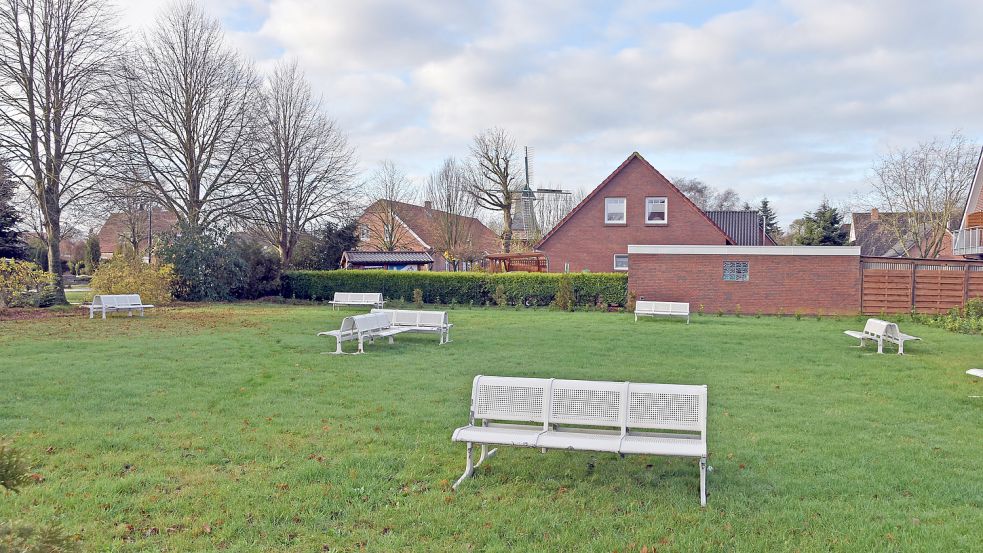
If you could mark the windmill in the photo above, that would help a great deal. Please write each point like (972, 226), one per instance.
(525, 226)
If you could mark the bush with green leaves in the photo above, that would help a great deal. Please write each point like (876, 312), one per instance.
(21, 283)
(967, 320)
(129, 275)
(529, 289)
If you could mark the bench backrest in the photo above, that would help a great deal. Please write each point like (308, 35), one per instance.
(404, 317)
(357, 297)
(116, 301)
(347, 326)
(643, 306)
(623, 405)
(878, 328)
(371, 322)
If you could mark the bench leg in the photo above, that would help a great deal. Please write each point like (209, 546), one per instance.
(901, 347)
(485, 455)
(468, 470)
(687, 319)
(703, 482)
(880, 346)
(103, 312)
(92, 312)
(361, 346)
(391, 341)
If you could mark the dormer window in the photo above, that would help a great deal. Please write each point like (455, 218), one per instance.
(614, 211)
(656, 211)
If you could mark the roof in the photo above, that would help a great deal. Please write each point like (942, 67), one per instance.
(877, 239)
(422, 221)
(117, 226)
(356, 257)
(596, 191)
(745, 227)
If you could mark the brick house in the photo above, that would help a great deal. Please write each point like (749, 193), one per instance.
(125, 229)
(413, 228)
(876, 233)
(636, 204)
(969, 237)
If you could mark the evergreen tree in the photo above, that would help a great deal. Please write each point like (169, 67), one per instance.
(11, 244)
(93, 253)
(823, 227)
(323, 249)
(771, 220)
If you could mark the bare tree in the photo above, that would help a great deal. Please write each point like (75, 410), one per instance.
(455, 208)
(707, 197)
(186, 107)
(552, 208)
(55, 60)
(382, 228)
(497, 176)
(131, 200)
(306, 168)
(923, 188)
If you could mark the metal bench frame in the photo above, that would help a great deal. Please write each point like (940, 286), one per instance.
(625, 418)
(433, 322)
(109, 303)
(357, 298)
(362, 327)
(879, 331)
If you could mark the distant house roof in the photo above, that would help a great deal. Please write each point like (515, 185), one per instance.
(118, 227)
(355, 257)
(876, 232)
(424, 222)
(744, 227)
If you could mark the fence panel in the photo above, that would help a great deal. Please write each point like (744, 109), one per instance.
(922, 286)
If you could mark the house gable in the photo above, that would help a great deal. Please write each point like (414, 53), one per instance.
(974, 203)
(585, 242)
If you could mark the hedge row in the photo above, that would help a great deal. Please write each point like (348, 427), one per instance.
(520, 288)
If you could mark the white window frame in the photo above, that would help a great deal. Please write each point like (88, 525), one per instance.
(364, 233)
(616, 256)
(624, 211)
(665, 211)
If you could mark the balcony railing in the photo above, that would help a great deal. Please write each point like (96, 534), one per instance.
(968, 242)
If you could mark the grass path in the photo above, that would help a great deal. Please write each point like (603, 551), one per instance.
(221, 428)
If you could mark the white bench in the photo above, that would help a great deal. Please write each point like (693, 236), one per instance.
(363, 327)
(880, 331)
(661, 308)
(420, 321)
(357, 298)
(625, 417)
(110, 303)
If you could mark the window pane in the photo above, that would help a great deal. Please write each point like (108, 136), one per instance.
(621, 262)
(655, 210)
(614, 210)
(736, 270)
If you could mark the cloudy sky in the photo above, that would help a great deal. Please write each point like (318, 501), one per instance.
(792, 100)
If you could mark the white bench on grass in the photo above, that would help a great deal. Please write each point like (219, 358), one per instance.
(357, 298)
(625, 418)
(978, 373)
(363, 327)
(420, 321)
(110, 303)
(661, 308)
(880, 331)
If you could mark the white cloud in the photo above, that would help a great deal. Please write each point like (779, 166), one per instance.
(790, 99)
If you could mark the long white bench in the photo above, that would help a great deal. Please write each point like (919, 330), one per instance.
(357, 298)
(363, 327)
(626, 418)
(880, 331)
(434, 322)
(661, 308)
(110, 303)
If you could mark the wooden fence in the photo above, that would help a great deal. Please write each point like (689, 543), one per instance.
(891, 285)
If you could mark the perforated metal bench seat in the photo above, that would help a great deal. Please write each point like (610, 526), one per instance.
(363, 327)
(579, 415)
(879, 331)
(433, 322)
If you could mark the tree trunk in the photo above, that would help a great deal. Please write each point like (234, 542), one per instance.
(53, 229)
(507, 230)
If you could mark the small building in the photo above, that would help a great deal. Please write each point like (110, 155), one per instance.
(399, 226)
(388, 261)
(968, 240)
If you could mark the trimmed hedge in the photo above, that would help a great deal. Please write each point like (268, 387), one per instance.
(529, 289)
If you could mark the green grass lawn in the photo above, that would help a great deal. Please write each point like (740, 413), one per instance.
(221, 428)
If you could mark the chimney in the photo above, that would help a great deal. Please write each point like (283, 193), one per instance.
(428, 205)
(873, 214)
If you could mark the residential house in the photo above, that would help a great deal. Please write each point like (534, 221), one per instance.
(127, 229)
(636, 204)
(421, 229)
(969, 237)
(888, 234)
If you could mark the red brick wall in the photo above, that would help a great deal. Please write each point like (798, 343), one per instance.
(777, 283)
(585, 242)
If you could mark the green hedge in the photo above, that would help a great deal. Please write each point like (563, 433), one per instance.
(520, 288)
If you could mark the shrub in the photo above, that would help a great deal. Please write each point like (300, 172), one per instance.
(121, 275)
(564, 294)
(13, 469)
(21, 283)
(630, 302)
(530, 289)
(967, 320)
(499, 296)
(418, 298)
(258, 269)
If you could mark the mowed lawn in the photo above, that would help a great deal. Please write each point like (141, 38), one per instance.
(222, 428)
